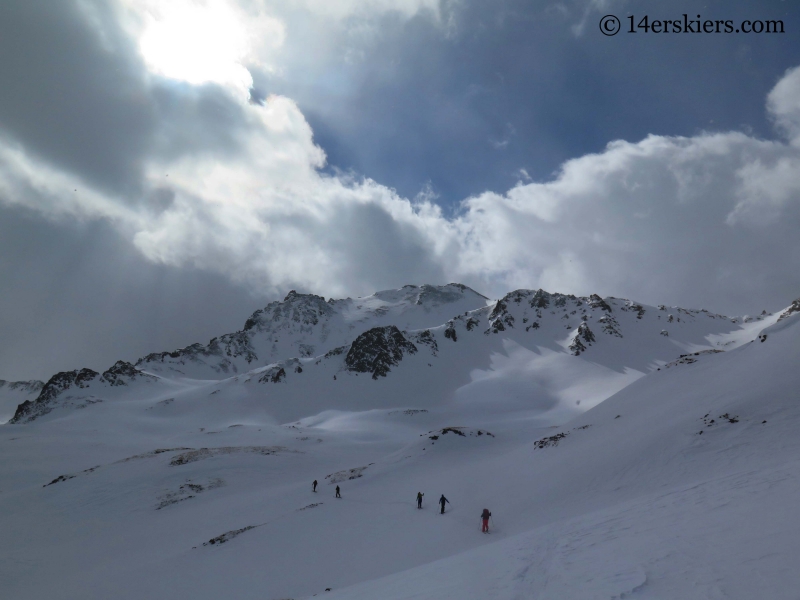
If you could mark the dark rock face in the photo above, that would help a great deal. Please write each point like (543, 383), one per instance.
(500, 318)
(376, 350)
(426, 338)
(794, 308)
(541, 299)
(58, 383)
(637, 308)
(610, 325)
(122, 373)
(450, 332)
(500, 309)
(583, 337)
(275, 374)
(596, 301)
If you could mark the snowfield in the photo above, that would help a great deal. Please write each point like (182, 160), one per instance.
(624, 451)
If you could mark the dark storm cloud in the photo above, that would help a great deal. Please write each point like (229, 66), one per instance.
(79, 295)
(75, 99)
(384, 255)
(76, 93)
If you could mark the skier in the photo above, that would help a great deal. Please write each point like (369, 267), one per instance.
(419, 499)
(485, 518)
(442, 500)
(314, 485)
(338, 495)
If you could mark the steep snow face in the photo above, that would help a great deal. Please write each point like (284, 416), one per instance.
(305, 326)
(14, 393)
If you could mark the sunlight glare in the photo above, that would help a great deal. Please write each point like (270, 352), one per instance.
(197, 42)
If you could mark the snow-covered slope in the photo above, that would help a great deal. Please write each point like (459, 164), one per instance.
(14, 393)
(166, 486)
(553, 353)
(305, 325)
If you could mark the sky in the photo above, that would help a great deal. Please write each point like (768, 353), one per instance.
(166, 168)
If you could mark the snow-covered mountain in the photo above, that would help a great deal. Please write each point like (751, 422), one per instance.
(442, 346)
(14, 393)
(625, 450)
(305, 325)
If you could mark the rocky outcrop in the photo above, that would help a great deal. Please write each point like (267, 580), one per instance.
(55, 386)
(583, 337)
(610, 325)
(274, 374)
(596, 301)
(794, 308)
(122, 373)
(425, 337)
(376, 350)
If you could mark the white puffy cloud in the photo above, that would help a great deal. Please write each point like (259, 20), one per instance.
(783, 103)
(661, 219)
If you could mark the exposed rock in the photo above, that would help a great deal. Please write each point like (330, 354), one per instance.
(122, 373)
(57, 384)
(347, 474)
(425, 337)
(274, 374)
(583, 335)
(596, 301)
(203, 453)
(687, 359)
(550, 440)
(540, 299)
(229, 535)
(610, 325)
(637, 308)
(376, 350)
(794, 308)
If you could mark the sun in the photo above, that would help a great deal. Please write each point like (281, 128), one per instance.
(197, 42)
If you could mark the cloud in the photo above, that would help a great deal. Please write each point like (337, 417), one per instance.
(783, 104)
(712, 217)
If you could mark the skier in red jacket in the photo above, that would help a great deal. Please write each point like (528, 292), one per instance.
(485, 518)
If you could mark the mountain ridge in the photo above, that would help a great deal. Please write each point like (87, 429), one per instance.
(325, 338)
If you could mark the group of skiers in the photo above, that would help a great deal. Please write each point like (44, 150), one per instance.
(485, 515)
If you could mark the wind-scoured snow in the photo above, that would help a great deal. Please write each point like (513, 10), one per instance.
(654, 458)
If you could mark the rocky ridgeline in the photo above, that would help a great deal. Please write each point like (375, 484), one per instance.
(573, 322)
(794, 308)
(304, 326)
(122, 373)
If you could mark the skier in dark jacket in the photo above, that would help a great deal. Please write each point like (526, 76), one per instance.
(338, 495)
(485, 518)
(442, 500)
(419, 499)
(314, 485)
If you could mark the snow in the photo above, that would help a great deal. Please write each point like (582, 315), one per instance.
(14, 393)
(632, 500)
